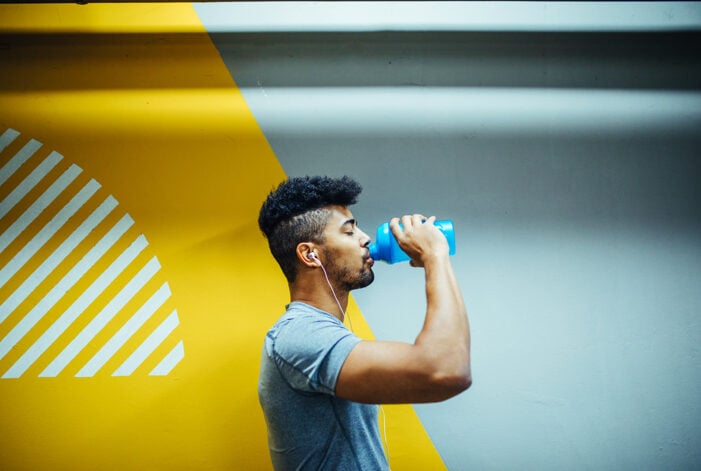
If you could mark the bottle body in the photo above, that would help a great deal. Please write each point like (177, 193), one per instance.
(387, 249)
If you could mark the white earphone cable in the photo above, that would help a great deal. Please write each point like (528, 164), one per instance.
(328, 282)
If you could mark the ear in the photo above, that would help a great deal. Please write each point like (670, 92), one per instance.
(307, 254)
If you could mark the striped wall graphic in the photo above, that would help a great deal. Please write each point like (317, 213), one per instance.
(80, 292)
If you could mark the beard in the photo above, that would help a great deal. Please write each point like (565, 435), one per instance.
(349, 279)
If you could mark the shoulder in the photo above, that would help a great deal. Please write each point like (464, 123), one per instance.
(304, 328)
(309, 347)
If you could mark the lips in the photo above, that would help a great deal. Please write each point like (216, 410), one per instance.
(367, 258)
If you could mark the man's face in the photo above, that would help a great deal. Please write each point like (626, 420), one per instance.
(345, 251)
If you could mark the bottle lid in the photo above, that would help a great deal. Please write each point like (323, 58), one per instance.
(374, 253)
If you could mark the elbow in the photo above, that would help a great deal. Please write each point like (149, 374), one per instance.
(456, 375)
(461, 382)
(451, 384)
(446, 374)
(466, 382)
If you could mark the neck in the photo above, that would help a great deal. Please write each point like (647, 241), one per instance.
(316, 292)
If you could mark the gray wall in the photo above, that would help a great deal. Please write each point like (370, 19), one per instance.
(570, 163)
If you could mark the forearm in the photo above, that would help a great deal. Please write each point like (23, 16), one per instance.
(445, 336)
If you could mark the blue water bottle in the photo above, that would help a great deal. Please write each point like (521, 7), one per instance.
(387, 249)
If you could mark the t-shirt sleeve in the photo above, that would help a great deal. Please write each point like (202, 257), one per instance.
(309, 352)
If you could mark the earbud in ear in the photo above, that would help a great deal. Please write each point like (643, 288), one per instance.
(313, 256)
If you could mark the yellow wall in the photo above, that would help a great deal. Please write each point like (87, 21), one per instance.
(137, 97)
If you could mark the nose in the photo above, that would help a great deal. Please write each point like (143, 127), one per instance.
(364, 238)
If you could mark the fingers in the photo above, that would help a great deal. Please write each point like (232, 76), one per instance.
(409, 221)
(418, 236)
(394, 223)
(407, 225)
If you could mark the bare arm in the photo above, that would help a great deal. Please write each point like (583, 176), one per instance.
(437, 365)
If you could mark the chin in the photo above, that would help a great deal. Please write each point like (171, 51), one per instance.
(367, 278)
(364, 279)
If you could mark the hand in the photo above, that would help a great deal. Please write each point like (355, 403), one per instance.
(419, 238)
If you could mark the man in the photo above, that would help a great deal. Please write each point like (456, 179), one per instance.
(319, 383)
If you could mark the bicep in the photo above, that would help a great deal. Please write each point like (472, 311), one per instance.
(388, 372)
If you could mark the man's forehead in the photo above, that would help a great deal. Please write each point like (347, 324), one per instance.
(340, 215)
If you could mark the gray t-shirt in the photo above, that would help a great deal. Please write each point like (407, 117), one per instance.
(309, 428)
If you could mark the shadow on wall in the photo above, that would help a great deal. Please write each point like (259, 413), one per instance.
(385, 59)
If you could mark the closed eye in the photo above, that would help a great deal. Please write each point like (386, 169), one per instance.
(349, 226)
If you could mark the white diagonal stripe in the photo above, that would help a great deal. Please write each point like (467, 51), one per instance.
(170, 361)
(19, 158)
(77, 272)
(38, 206)
(7, 138)
(150, 344)
(29, 182)
(21, 199)
(48, 231)
(125, 333)
(99, 321)
(58, 256)
(78, 306)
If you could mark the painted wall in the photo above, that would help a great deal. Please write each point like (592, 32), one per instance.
(563, 139)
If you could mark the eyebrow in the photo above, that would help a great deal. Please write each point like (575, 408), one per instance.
(352, 222)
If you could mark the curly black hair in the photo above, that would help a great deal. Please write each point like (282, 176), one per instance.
(296, 212)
